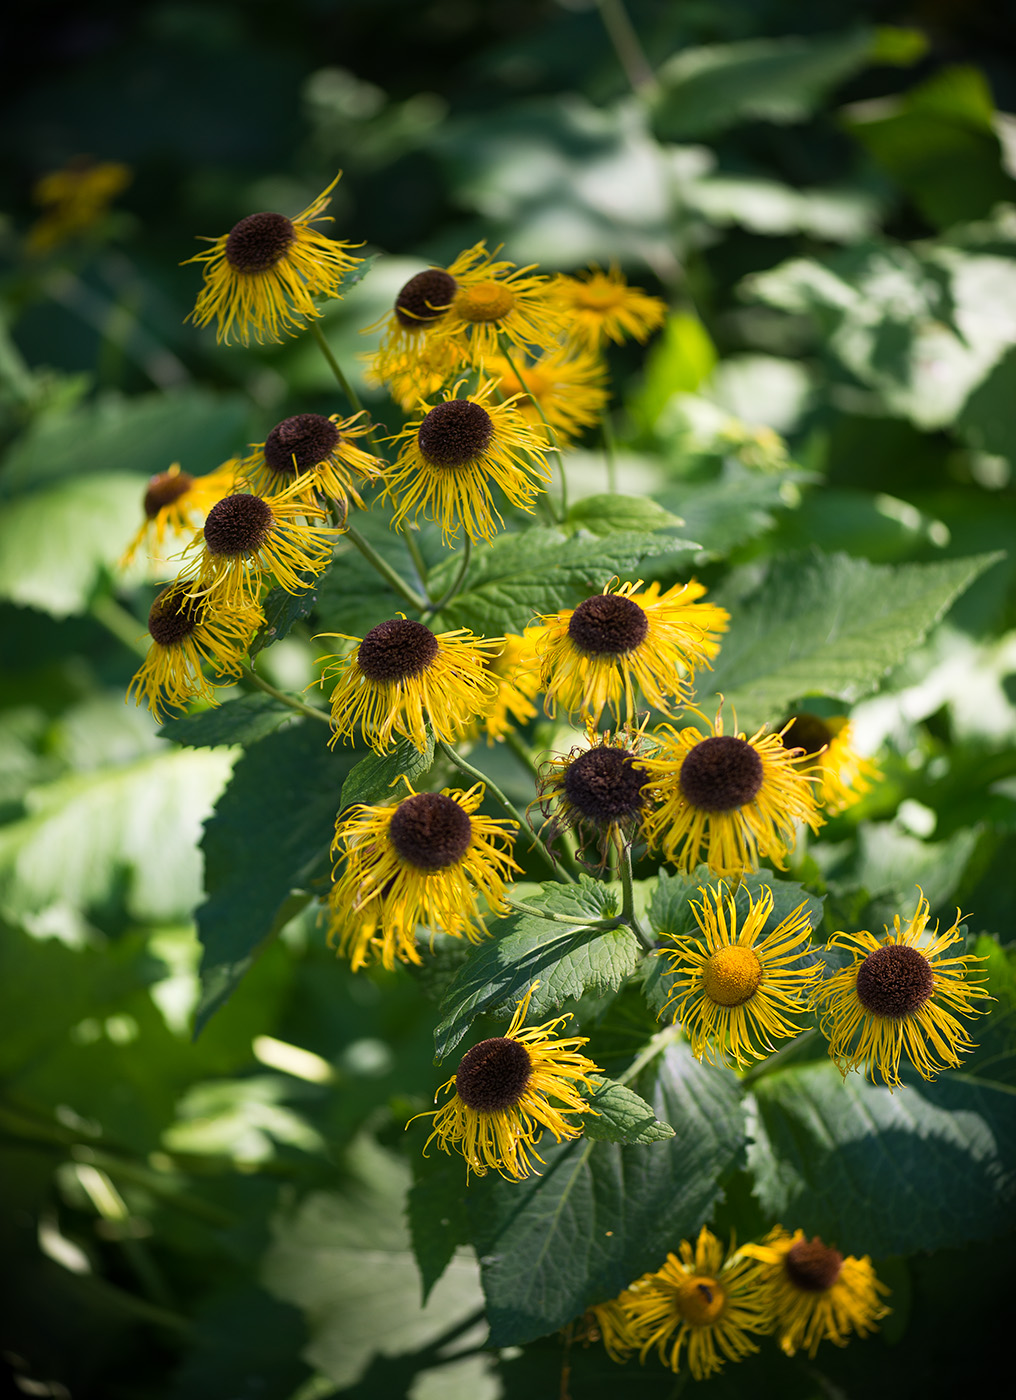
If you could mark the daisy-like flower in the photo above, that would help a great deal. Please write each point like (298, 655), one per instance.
(318, 452)
(897, 999)
(261, 278)
(452, 456)
(727, 799)
(517, 673)
(569, 385)
(247, 536)
(608, 1323)
(401, 676)
(734, 989)
(74, 199)
(599, 306)
(815, 1293)
(411, 362)
(176, 503)
(493, 299)
(844, 775)
(187, 631)
(623, 643)
(507, 1091)
(427, 859)
(597, 790)
(708, 1300)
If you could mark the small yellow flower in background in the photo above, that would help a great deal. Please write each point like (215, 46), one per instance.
(185, 632)
(727, 800)
(621, 644)
(598, 790)
(74, 198)
(517, 674)
(452, 456)
(507, 1091)
(427, 859)
(176, 503)
(599, 306)
(494, 298)
(707, 1301)
(734, 989)
(845, 776)
(815, 1293)
(401, 675)
(261, 278)
(247, 537)
(896, 1000)
(608, 1323)
(318, 452)
(570, 386)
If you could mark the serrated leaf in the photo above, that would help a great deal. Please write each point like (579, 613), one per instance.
(244, 720)
(621, 1116)
(373, 779)
(826, 625)
(736, 506)
(281, 610)
(525, 949)
(608, 513)
(436, 1211)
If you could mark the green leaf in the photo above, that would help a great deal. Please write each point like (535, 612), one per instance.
(524, 949)
(679, 362)
(244, 720)
(927, 1167)
(373, 779)
(269, 835)
(826, 625)
(734, 507)
(609, 513)
(623, 1116)
(282, 609)
(436, 1212)
(601, 1214)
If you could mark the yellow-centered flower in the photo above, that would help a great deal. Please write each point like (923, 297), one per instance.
(599, 306)
(844, 775)
(495, 301)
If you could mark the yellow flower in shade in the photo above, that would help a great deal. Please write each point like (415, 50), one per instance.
(814, 1292)
(897, 999)
(597, 790)
(569, 385)
(495, 299)
(74, 199)
(428, 859)
(707, 1300)
(622, 644)
(844, 775)
(187, 631)
(261, 278)
(517, 674)
(452, 457)
(401, 676)
(608, 1323)
(176, 503)
(507, 1091)
(727, 800)
(734, 989)
(599, 306)
(318, 452)
(247, 536)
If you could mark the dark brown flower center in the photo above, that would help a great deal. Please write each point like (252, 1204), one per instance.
(173, 616)
(895, 980)
(455, 433)
(493, 1075)
(808, 732)
(397, 650)
(812, 1266)
(300, 442)
(603, 785)
(258, 242)
(238, 525)
(430, 831)
(608, 625)
(164, 489)
(425, 297)
(721, 774)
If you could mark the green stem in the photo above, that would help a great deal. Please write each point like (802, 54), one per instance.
(385, 570)
(609, 451)
(628, 915)
(630, 53)
(459, 580)
(419, 563)
(123, 624)
(290, 701)
(336, 368)
(506, 352)
(594, 925)
(668, 1036)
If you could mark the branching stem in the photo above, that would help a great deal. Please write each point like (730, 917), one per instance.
(259, 682)
(385, 570)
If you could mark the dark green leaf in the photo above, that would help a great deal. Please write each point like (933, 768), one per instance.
(622, 1116)
(281, 610)
(244, 720)
(436, 1211)
(375, 778)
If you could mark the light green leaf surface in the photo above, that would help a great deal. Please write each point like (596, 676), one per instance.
(608, 513)
(621, 1116)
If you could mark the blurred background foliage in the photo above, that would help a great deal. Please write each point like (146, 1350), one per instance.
(826, 195)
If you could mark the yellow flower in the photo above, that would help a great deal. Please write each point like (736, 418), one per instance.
(608, 1323)
(815, 1293)
(185, 632)
(704, 1301)
(452, 456)
(247, 536)
(401, 676)
(176, 503)
(570, 386)
(410, 361)
(726, 799)
(734, 989)
(518, 682)
(600, 306)
(504, 1090)
(897, 998)
(598, 790)
(844, 775)
(494, 298)
(261, 278)
(427, 859)
(318, 452)
(74, 199)
(620, 644)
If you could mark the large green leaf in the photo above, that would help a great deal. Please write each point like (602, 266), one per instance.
(375, 778)
(608, 513)
(617, 1114)
(731, 508)
(244, 720)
